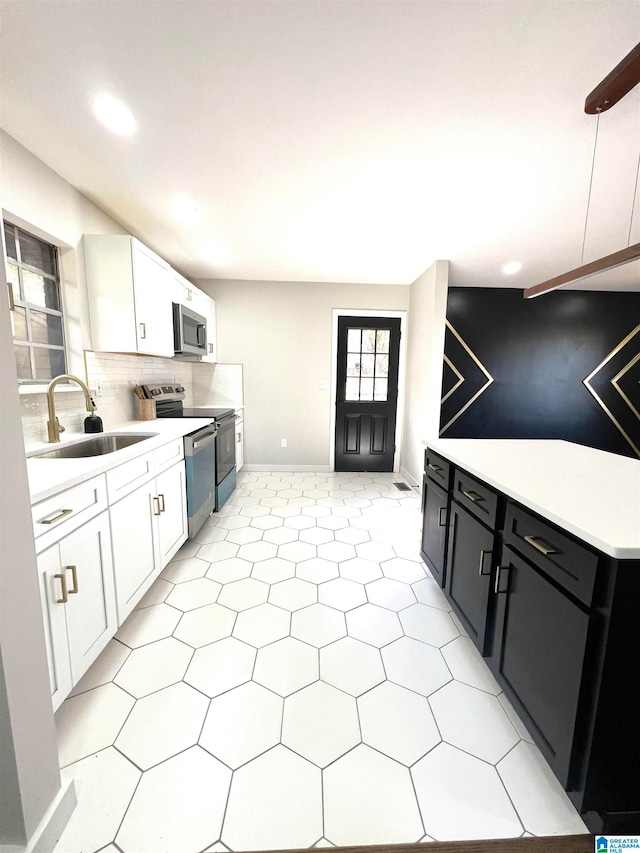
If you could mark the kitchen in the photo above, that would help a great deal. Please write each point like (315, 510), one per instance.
(248, 316)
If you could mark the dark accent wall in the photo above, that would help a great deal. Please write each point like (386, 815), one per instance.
(538, 352)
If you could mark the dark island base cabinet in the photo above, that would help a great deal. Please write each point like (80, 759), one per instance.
(434, 528)
(469, 561)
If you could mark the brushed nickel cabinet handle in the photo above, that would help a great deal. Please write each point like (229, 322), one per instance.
(239, 438)
(156, 505)
(63, 583)
(540, 545)
(143, 330)
(472, 496)
(483, 554)
(442, 523)
(433, 467)
(496, 588)
(12, 301)
(162, 506)
(74, 575)
(57, 517)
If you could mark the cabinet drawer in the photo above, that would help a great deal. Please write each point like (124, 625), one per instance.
(572, 564)
(437, 468)
(59, 515)
(125, 478)
(475, 496)
(166, 456)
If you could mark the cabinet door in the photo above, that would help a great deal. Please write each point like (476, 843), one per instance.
(85, 558)
(55, 626)
(152, 298)
(135, 555)
(468, 571)
(172, 521)
(538, 656)
(434, 528)
(239, 445)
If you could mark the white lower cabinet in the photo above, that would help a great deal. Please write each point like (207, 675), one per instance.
(148, 526)
(78, 602)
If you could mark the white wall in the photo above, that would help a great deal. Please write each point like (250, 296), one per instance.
(425, 348)
(281, 332)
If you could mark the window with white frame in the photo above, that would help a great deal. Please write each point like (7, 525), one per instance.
(34, 293)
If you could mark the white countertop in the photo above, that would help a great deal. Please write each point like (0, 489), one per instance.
(47, 477)
(593, 494)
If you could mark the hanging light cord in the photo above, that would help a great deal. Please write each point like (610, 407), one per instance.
(593, 163)
(633, 203)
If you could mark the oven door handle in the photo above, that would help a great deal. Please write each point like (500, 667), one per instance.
(206, 439)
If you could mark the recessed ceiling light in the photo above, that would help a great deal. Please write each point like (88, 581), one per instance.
(219, 256)
(114, 114)
(512, 267)
(186, 210)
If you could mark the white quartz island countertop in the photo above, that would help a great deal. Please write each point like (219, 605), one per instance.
(47, 477)
(592, 494)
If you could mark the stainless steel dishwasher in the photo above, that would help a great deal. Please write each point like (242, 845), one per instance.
(200, 460)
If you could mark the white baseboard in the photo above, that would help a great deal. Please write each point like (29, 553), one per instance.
(321, 469)
(49, 830)
(409, 478)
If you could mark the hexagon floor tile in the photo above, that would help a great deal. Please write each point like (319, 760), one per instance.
(242, 698)
(338, 731)
(242, 724)
(286, 666)
(380, 808)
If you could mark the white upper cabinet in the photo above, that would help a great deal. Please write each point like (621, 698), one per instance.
(130, 292)
(201, 303)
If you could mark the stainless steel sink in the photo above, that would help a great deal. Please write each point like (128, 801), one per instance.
(97, 445)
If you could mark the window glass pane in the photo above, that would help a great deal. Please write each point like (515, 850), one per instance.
(46, 328)
(382, 340)
(368, 364)
(368, 340)
(22, 362)
(49, 362)
(353, 340)
(40, 290)
(36, 253)
(382, 365)
(380, 392)
(10, 240)
(353, 365)
(19, 323)
(366, 389)
(13, 277)
(352, 391)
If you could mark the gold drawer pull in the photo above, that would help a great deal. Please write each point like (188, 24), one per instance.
(496, 588)
(433, 467)
(156, 506)
(540, 545)
(472, 496)
(162, 506)
(63, 583)
(483, 554)
(74, 575)
(12, 301)
(56, 517)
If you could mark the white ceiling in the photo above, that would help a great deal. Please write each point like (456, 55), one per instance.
(349, 141)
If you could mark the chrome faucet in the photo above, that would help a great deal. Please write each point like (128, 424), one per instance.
(54, 427)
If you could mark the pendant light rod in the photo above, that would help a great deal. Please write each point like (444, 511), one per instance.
(616, 84)
(617, 259)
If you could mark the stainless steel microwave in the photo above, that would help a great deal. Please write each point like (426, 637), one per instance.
(189, 332)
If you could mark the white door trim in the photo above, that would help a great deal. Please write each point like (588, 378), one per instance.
(363, 312)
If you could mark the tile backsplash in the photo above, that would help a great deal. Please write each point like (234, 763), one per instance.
(115, 375)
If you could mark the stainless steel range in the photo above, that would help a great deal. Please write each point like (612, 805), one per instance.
(210, 452)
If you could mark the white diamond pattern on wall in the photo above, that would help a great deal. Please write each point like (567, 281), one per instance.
(296, 679)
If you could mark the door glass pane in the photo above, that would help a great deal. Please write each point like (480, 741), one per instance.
(366, 389)
(353, 365)
(19, 323)
(352, 392)
(368, 340)
(353, 340)
(368, 365)
(380, 392)
(40, 290)
(36, 253)
(382, 365)
(10, 240)
(22, 362)
(49, 362)
(46, 328)
(382, 340)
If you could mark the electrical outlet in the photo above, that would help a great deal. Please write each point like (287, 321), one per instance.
(98, 390)
(283, 442)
